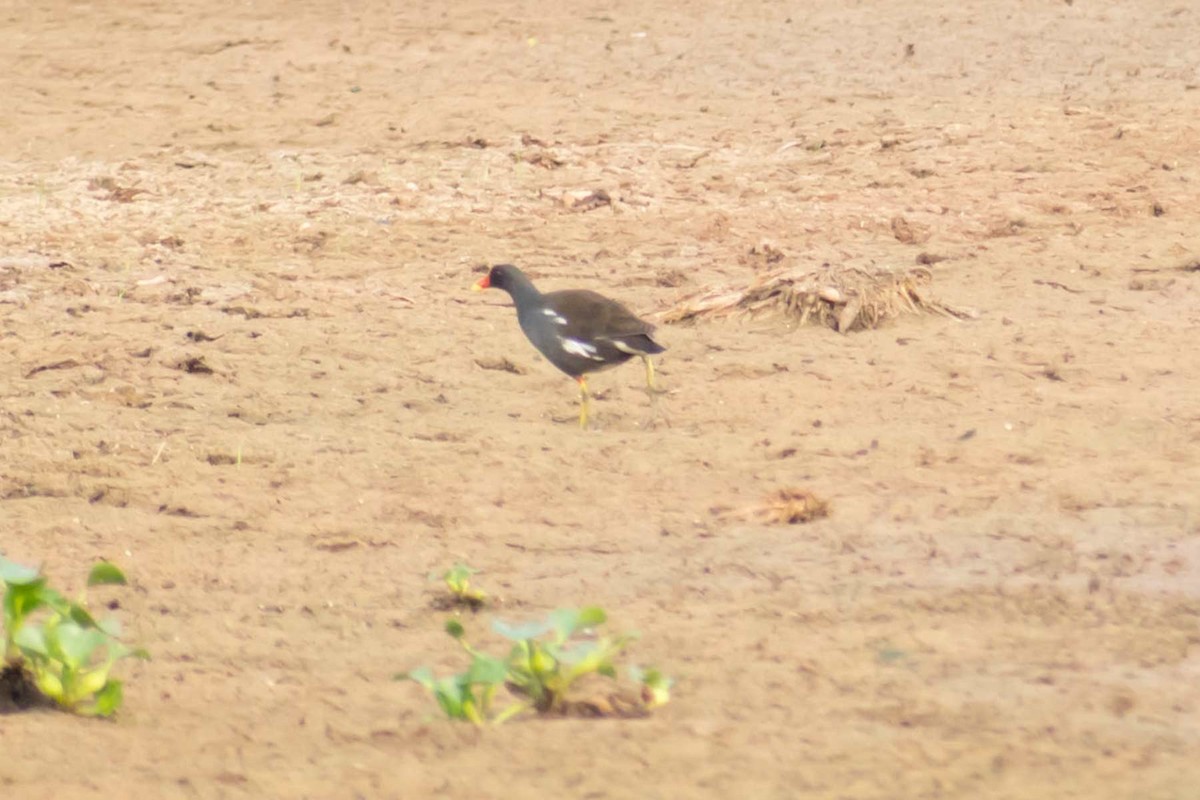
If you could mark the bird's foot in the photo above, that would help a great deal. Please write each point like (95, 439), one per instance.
(657, 415)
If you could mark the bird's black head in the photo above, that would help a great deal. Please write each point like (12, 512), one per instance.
(498, 277)
(502, 276)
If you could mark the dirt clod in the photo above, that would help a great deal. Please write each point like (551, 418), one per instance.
(18, 691)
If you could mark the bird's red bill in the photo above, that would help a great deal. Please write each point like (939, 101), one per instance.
(481, 284)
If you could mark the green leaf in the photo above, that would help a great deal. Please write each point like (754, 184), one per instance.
(569, 621)
(109, 699)
(15, 574)
(32, 641)
(105, 573)
(89, 683)
(78, 643)
(422, 675)
(520, 668)
(21, 600)
(578, 652)
(591, 617)
(487, 670)
(459, 573)
(541, 662)
(470, 709)
(518, 658)
(48, 682)
(455, 628)
(449, 693)
(564, 621)
(519, 633)
(80, 615)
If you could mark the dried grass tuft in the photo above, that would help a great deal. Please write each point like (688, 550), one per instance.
(792, 506)
(784, 507)
(842, 298)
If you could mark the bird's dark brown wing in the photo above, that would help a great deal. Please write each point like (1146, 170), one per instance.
(591, 315)
(580, 331)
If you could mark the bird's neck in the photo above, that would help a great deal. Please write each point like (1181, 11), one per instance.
(524, 293)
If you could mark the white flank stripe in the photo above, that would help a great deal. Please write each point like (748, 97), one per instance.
(581, 349)
(550, 312)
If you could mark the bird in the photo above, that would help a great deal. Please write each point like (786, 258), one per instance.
(577, 330)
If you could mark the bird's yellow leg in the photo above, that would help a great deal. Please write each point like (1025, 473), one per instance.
(653, 391)
(584, 402)
(650, 374)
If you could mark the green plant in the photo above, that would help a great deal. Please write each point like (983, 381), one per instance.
(468, 695)
(543, 666)
(68, 653)
(462, 593)
(544, 671)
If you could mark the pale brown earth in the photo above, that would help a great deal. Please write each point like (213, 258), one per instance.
(1005, 599)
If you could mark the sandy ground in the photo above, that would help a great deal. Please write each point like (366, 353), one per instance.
(1005, 600)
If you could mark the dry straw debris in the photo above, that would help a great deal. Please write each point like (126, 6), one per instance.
(784, 507)
(792, 506)
(842, 298)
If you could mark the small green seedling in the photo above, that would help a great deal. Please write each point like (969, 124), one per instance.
(544, 671)
(462, 593)
(656, 687)
(468, 695)
(68, 653)
(545, 663)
